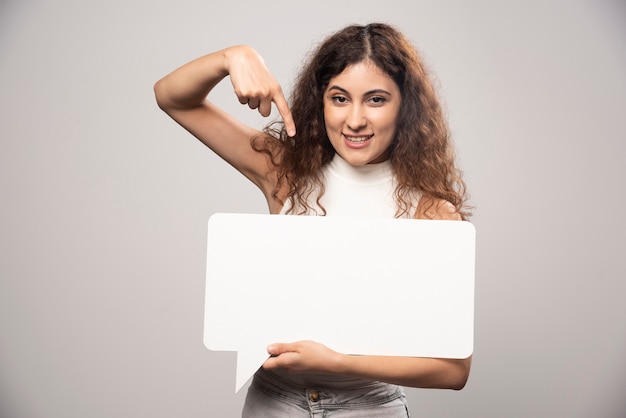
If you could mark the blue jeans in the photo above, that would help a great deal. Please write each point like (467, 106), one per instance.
(271, 396)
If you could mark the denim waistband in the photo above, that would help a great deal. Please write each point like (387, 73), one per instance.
(361, 394)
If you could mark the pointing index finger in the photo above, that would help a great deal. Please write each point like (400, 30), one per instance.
(285, 112)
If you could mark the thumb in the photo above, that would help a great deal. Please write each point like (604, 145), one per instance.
(279, 348)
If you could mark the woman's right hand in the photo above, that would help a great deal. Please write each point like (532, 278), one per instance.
(184, 94)
(255, 85)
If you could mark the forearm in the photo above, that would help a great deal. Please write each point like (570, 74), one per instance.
(187, 87)
(408, 371)
(310, 356)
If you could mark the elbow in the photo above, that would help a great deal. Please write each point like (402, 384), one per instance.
(449, 374)
(163, 96)
(166, 97)
(460, 375)
(459, 383)
(158, 94)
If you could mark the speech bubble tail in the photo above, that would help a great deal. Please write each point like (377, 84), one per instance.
(248, 362)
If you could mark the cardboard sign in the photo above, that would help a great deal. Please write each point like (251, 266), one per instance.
(400, 287)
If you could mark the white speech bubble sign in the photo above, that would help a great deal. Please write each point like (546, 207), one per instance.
(397, 287)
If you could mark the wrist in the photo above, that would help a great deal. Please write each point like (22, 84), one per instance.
(342, 363)
(234, 54)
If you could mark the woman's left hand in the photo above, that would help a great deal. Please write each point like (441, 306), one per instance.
(303, 356)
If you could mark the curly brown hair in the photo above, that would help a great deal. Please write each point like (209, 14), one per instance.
(421, 155)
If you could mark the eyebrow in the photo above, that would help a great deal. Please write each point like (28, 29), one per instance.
(375, 91)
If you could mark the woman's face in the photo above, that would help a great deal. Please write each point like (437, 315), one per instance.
(361, 107)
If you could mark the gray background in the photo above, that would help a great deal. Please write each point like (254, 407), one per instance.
(104, 200)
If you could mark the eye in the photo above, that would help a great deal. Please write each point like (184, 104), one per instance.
(377, 100)
(337, 98)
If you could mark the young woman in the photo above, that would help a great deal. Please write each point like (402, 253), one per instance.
(364, 136)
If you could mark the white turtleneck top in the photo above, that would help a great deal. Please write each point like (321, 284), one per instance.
(364, 191)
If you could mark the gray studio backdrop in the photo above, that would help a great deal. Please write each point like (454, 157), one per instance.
(104, 200)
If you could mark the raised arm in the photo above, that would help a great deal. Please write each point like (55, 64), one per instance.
(182, 94)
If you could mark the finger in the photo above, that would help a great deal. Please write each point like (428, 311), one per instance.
(275, 349)
(280, 348)
(273, 361)
(285, 112)
(253, 103)
(270, 363)
(265, 107)
(286, 360)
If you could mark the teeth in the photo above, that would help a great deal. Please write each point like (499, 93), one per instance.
(358, 140)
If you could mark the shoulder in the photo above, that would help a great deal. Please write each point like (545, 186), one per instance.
(436, 209)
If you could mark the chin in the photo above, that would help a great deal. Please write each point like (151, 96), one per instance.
(356, 161)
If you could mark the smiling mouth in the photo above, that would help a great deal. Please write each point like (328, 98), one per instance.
(358, 139)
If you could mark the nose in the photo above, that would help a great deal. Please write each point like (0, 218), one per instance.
(356, 119)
